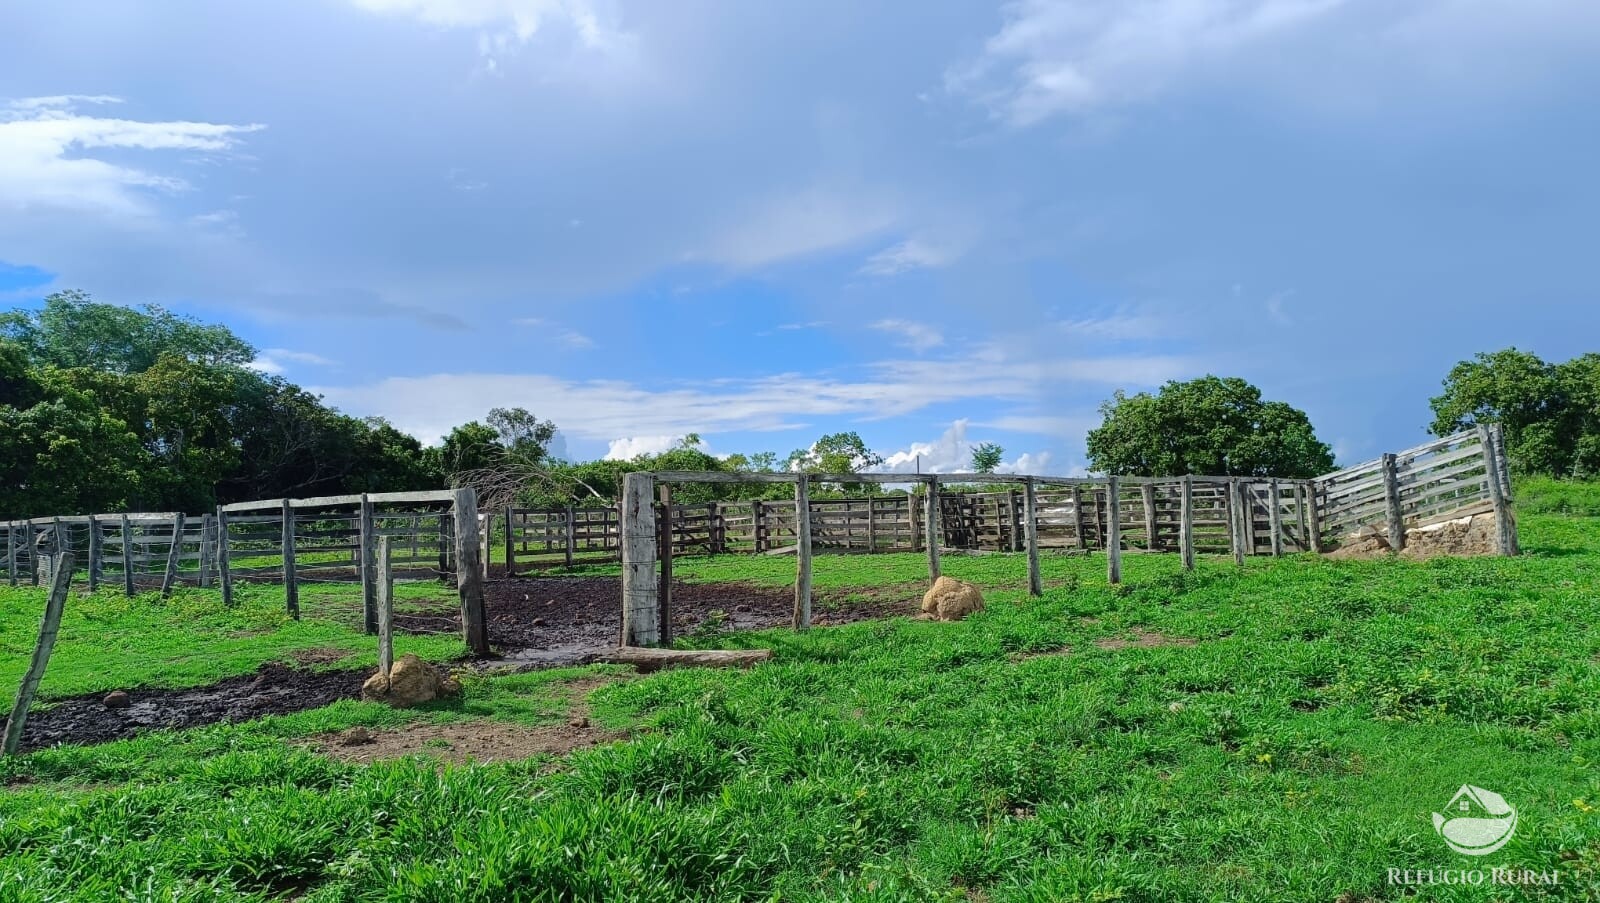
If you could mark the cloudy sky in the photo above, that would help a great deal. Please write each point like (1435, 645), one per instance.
(935, 224)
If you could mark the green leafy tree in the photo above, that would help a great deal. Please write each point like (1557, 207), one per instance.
(1211, 425)
(835, 453)
(525, 437)
(71, 330)
(65, 454)
(986, 456)
(1550, 413)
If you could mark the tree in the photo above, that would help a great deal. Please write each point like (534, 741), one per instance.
(71, 330)
(835, 453)
(1549, 413)
(524, 436)
(986, 457)
(1211, 426)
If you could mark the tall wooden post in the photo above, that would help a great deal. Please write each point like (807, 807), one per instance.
(1147, 496)
(207, 554)
(930, 521)
(757, 527)
(1313, 516)
(1275, 517)
(291, 575)
(224, 556)
(1113, 531)
(1077, 517)
(872, 524)
(1505, 535)
(1186, 523)
(469, 572)
(169, 577)
(96, 550)
(11, 552)
(366, 571)
(127, 556)
(1503, 469)
(802, 565)
(511, 542)
(664, 590)
(639, 543)
(1303, 524)
(1030, 531)
(570, 539)
(49, 628)
(385, 581)
(1391, 497)
(1237, 512)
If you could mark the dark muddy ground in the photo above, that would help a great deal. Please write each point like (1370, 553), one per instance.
(571, 620)
(533, 622)
(274, 690)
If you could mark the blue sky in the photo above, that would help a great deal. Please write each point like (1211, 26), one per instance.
(934, 224)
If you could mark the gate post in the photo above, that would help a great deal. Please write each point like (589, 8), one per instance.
(640, 626)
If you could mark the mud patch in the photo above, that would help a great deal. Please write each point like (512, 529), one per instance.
(1142, 639)
(559, 621)
(467, 741)
(273, 690)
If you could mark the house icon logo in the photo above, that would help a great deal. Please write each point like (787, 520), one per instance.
(1477, 822)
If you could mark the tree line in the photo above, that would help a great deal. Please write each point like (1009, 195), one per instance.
(109, 408)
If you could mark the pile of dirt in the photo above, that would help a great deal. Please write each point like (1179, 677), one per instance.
(273, 690)
(1472, 534)
(950, 599)
(411, 681)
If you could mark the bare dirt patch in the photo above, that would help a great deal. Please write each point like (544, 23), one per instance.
(1463, 536)
(273, 690)
(1142, 639)
(1040, 653)
(322, 655)
(480, 741)
(557, 621)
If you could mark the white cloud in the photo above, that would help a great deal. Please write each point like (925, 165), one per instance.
(952, 453)
(506, 25)
(630, 447)
(428, 406)
(796, 224)
(272, 361)
(45, 162)
(568, 337)
(1055, 57)
(918, 337)
(1117, 327)
(911, 254)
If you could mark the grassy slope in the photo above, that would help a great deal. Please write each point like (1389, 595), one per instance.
(1294, 753)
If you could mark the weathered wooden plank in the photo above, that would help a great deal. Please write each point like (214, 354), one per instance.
(1393, 515)
(469, 572)
(365, 560)
(1113, 532)
(1504, 535)
(385, 606)
(1186, 523)
(1275, 517)
(639, 586)
(664, 589)
(1030, 529)
(802, 581)
(930, 523)
(49, 628)
(169, 577)
(291, 578)
(127, 556)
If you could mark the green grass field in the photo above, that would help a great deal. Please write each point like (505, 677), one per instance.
(1294, 750)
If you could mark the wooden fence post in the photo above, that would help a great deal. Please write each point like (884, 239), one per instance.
(224, 554)
(1275, 517)
(205, 551)
(385, 582)
(127, 556)
(802, 565)
(664, 589)
(11, 552)
(511, 544)
(366, 551)
(1505, 537)
(571, 534)
(1147, 495)
(49, 628)
(1301, 521)
(1186, 523)
(756, 526)
(639, 543)
(1237, 512)
(1503, 469)
(469, 574)
(1113, 531)
(96, 542)
(1077, 516)
(1030, 530)
(1313, 516)
(930, 522)
(872, 524)
(1391, 497)
(169, 578)
(291, 574)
